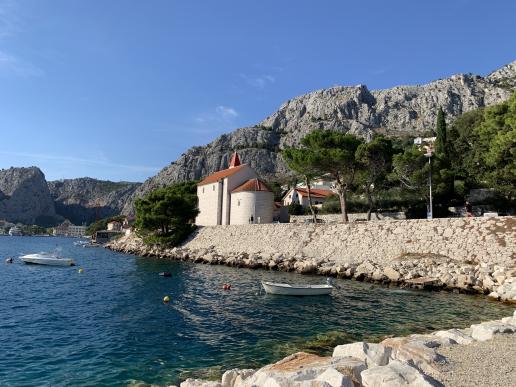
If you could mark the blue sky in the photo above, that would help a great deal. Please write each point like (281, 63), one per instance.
(118, 89)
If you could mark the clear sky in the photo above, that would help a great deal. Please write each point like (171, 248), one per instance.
(118, 89)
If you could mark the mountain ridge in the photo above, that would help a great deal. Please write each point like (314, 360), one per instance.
(397, 111)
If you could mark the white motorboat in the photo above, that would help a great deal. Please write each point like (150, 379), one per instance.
(15, 231)
(47, 259)
(297, 290)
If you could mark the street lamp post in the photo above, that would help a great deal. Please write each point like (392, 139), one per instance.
(427, 143)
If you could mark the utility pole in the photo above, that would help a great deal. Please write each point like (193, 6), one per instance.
(430, 212)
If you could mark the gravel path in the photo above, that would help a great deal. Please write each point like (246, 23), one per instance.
(488, 363)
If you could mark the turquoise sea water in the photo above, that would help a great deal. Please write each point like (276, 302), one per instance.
(108, 325)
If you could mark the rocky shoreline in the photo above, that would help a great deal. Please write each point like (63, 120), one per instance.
(415, 360)
(410, 270)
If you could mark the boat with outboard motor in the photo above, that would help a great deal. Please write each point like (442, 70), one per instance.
(47, 259)
(297, 290)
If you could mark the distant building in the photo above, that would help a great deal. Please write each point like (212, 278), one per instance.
(127, 225)
(69, 230)
(300, 196)
(234, 196)
(114, 226)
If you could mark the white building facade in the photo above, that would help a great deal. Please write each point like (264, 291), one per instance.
(234, 196)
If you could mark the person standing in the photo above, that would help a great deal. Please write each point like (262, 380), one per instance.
(469, 209)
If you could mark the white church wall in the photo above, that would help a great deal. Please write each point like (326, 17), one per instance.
(230, 183)
(209, 196)
(259, 205)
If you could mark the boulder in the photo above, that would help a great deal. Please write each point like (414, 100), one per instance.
(456, 335)
(371, 354)
(391, 274)
(396, 374)
(332, 377)
(486, 331)
(199, 383)
(417, 350)
(305, 369)
(236, 377)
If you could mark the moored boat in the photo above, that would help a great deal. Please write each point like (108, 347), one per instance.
(15, 231)
(47, 259)
(296, 290)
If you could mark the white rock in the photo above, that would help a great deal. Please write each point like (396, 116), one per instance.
(371, 354)
(418, 350)
(235, 376)
(391, 273)
(456, 335)
(302, 369)
(199, 383)
(334, 378)
(487, 330)
(395, 374)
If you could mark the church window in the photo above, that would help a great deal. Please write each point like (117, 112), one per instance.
(214, 187)
(238, 202)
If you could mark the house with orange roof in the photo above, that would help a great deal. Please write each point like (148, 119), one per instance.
(234, 195)
(299, 195)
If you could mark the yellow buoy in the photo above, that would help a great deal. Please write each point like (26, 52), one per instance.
(80, 270)
(166, 299)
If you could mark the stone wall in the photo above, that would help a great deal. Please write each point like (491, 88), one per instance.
(469, 240)
(358, 216)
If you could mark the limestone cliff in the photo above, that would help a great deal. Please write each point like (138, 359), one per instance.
(402, 110)
(24, 197)
(82, 200)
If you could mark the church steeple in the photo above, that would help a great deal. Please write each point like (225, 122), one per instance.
(235, 161)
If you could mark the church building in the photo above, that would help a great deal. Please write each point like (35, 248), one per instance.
(234, 196)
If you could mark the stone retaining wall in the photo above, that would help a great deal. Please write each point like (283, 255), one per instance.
(469, 240)
(358, 216)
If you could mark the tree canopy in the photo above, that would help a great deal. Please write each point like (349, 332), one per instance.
(166, 215)
(375, 159)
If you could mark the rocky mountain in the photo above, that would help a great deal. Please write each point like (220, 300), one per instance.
(399, 111)
(83, 200)
(24, 197)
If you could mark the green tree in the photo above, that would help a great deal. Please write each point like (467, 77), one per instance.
(440, 132)
(375, 158)
(496, 147)
(166, 215)
(334, 154)
(462, 140)
(411, 169)
(303, 161)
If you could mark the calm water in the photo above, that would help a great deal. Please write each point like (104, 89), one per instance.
(108, 325)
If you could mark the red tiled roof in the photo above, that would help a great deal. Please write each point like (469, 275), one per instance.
(252, 185)
(315, 193)
(214, 177)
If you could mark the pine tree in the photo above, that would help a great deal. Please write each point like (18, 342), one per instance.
(440, 130)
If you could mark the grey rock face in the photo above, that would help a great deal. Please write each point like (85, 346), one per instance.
(24, 196)
(82, 200)
(402, 110)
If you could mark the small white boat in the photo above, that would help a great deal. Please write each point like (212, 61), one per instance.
(296, 290)
(47, 259)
